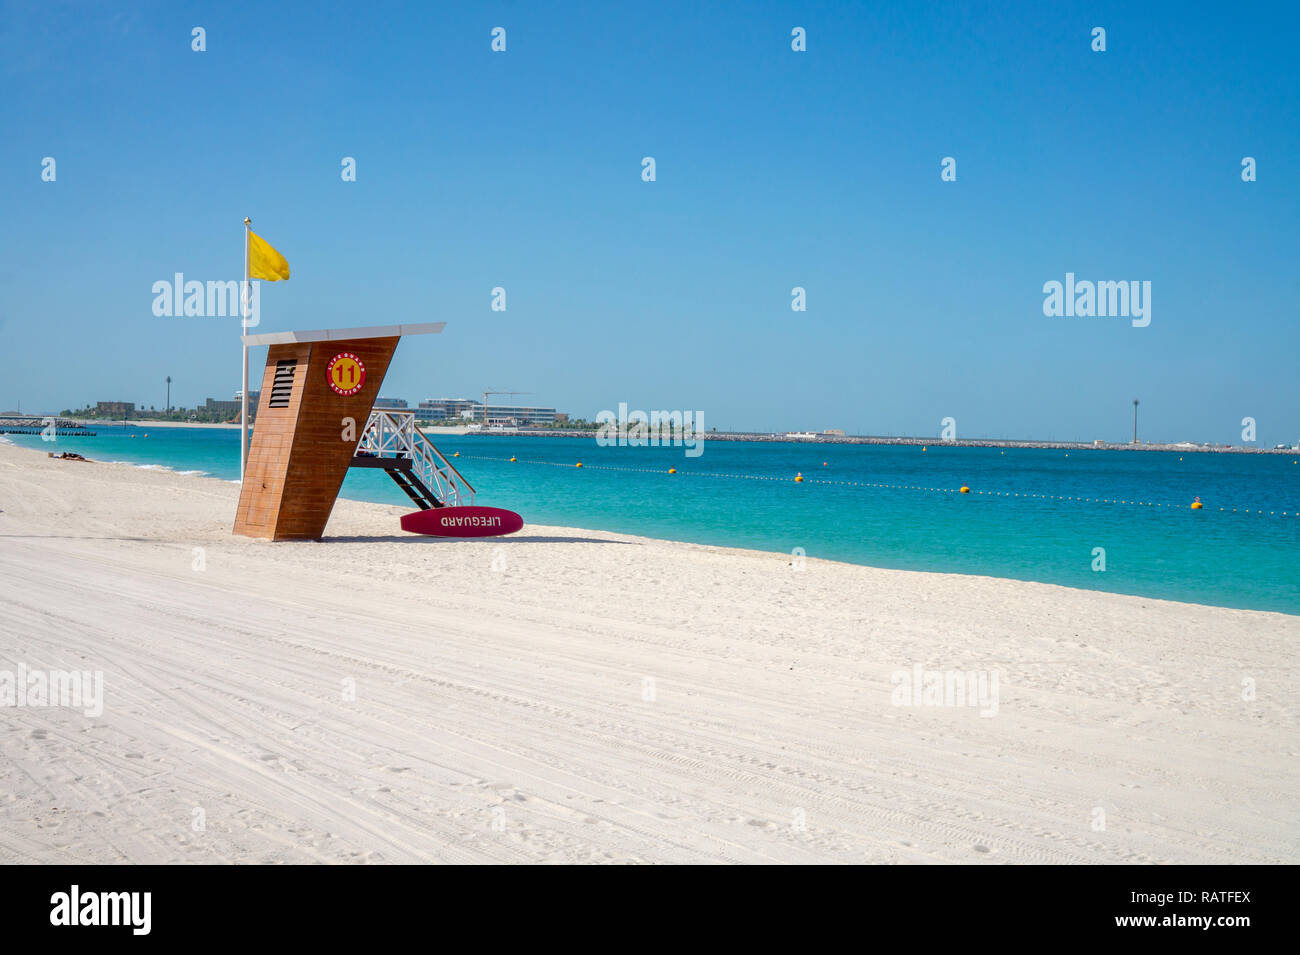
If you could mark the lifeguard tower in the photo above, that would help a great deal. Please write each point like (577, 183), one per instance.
(316, 418)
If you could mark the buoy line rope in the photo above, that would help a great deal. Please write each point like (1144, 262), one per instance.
(799, 478)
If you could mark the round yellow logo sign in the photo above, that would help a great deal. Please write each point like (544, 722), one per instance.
(345, 373)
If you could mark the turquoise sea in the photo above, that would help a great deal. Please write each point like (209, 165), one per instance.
(741, 495)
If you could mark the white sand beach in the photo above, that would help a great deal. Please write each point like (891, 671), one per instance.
(579, 696)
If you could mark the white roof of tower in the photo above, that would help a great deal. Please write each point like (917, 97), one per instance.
(337, 334)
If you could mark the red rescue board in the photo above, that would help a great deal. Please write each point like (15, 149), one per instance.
(466, 521)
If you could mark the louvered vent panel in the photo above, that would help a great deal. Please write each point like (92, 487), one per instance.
(282, 386)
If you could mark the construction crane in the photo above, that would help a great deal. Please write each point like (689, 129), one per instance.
(494, 392)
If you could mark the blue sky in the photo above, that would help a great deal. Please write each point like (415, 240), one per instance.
(775, 169)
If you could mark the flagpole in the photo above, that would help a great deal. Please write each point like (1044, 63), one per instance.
(243, 415)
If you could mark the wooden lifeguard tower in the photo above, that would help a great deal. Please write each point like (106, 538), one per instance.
(315, 420)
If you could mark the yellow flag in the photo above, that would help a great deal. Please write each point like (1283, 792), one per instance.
(263, 261)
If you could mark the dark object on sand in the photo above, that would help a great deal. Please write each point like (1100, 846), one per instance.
(66, 456)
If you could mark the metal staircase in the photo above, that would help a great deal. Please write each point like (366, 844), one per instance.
(392, 441)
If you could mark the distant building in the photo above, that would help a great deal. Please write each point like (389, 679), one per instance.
(511, 416)
(518, 416)
(220, 407)
(833, 432)
(443, 409)
(234, 406)
(395, 403)
(114, 408)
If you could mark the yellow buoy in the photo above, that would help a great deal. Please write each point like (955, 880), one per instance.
(964, 489)
(1197, 505)
(922, 447)
(578, 465)
(456, 455)
(798, 477)
(672, 470)
(514, 459)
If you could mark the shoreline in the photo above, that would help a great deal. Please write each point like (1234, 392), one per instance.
(397, 509)
(119, 423)
(754, 436)
(210, 425)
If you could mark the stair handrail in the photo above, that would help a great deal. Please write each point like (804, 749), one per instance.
(447, 465)
(388, 435)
